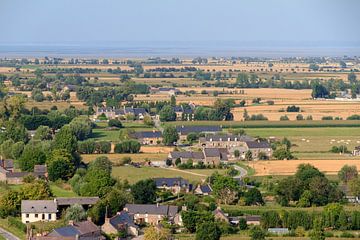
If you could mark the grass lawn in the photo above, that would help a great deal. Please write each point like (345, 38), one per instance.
(275, 206)
(4, 224)
(241, 236)
(133, 174)
(136, 157)
(63, 190)
(314, 143)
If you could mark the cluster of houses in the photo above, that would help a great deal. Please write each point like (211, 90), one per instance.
(10, 176)
(218, 147)
(129, 220)
(120, 113)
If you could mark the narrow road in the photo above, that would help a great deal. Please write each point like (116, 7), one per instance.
(8, 235)
(183, 171)
(242, 172)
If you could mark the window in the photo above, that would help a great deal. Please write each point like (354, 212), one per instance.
(49, 216)
(36, 215)
(43, 216)
(27, 215)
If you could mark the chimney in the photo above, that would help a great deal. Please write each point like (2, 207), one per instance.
(157, 204)
(71, 223)
(89, 219)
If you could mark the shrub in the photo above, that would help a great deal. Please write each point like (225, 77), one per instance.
(103, 147)
(299, 117)
(115, 123)
(128, 146)
(284, 118)
(327, 118)
(17, 223)
(293, 108)
(353, 117)
(86, 147)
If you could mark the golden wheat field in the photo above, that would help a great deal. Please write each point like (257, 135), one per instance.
(288, 167)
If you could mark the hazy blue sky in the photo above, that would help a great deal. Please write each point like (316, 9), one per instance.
(57, 21)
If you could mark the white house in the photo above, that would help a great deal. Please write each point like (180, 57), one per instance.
(38, 210)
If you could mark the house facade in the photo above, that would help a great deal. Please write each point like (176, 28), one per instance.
(175, 185)
(38, 210)
(151, 213)
(213, 156)
(122, 221)
(148, 137)
(257, 147)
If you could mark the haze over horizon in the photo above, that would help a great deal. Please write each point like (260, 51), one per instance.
(199, 27)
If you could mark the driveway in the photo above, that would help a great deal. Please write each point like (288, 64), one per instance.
(8, 235)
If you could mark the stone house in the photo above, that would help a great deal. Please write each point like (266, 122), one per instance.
(148, 137)
(175, 185)
(183, 131)
(122, 221)
(151, 213)
(207, 156)
(257, 147)
(84, 230)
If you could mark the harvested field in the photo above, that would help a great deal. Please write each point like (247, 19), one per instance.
(265, 168)
(136, 157)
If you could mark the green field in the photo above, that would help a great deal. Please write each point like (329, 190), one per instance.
(273, 124)
(133, 174)
(314, 143)
(5, 225)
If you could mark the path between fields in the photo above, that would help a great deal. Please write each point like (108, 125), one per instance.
(8, 235)
(183, 171)
(242, 172)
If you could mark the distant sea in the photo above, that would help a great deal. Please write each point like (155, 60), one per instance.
(179, 49)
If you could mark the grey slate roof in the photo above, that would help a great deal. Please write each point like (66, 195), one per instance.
(205, 188)
(147, 134)
(227, 137)
(63, 201)
(170, 182)
(216, 152)
(184, 130)
(153, 209)
(38, 206)
(187, 155)
(257, 144)
(122, 218)
(40, 169)
(77, 228)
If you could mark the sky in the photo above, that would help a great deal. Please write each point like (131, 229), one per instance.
(90, 21)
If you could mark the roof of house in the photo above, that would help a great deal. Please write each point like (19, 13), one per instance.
(122, 218)
(187, 155)
(40, 169)
(38, 206)
(258, 144)
(220, 212)
(154, 209)
(188, 129)
(17, 174)
(147, 134)
(166, 89)
(205, 188)
(170, 182)
(253, 218)
(227, 137)
(77, 228)
(135, 111)
(216, 152)
(63, 201)
(7, 163)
